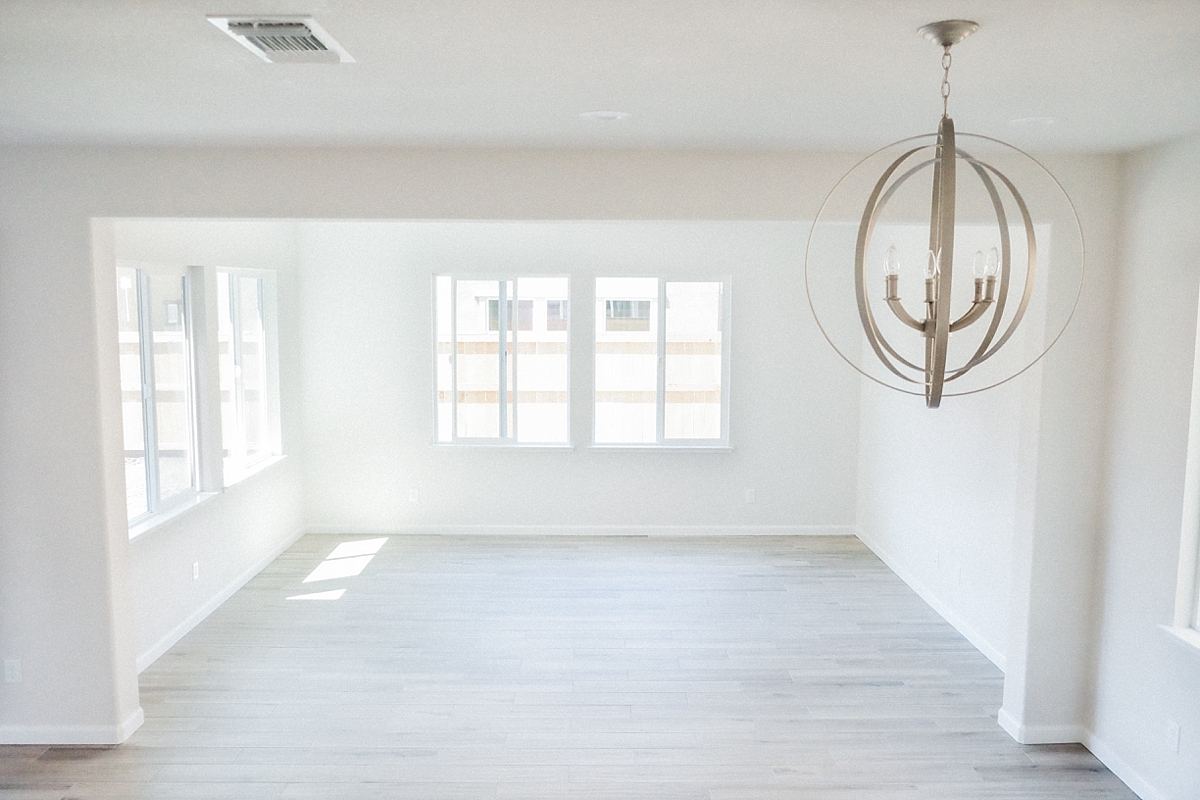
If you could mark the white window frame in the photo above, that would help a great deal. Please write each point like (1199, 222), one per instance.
(156, 507)
(502, 281)
(661, 442)
(270, 316)
(1186, 619)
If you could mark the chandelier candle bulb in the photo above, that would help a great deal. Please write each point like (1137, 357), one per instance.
(979, 265)
(1005, 280)
(891, 272)
(892, 263)
(980, 270)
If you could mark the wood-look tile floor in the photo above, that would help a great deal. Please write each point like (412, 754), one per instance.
(474, 667)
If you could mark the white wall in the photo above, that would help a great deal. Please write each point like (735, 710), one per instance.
(937, 501)
(368, 393)
(1144, 678)
(233, 535)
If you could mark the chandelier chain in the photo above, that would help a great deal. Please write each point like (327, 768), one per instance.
(946, 60)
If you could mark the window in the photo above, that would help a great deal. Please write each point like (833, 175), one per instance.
(158, 401)
(247, 370)
(1186, 619)
(502, 362)
(180, 437)
(661, 362)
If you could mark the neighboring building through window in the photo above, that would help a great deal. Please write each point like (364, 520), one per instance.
(247, 366)
(661, 362)
(556, 315)
(502, 365)
(157, 387)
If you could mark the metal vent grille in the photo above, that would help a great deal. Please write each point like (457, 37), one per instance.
(293, 40)
(278, 37)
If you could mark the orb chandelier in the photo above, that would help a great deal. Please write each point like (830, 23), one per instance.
(966, 331)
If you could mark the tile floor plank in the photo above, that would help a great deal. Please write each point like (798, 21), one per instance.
(715, 668)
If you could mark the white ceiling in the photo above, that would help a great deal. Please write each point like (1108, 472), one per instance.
(1114, 74)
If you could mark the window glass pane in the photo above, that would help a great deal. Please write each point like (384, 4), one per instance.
(477, 370)
(524, 314)
(130, 349)
(231, 426)
(556, 315)
(510, 367)
(542, 361)
(626, 360)
(692, 404)
(172, 384)
(627, 315)
(444, 377)
(249, 396)
(253, 368)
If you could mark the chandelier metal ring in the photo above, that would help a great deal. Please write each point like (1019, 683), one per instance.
(913, 145)
(871, 214)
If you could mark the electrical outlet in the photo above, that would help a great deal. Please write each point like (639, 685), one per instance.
(195, 570)
(1173, 737)
(414, 495)
(749, 495)
(12, 670)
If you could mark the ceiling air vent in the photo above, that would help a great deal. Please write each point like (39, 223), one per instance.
(284, 40)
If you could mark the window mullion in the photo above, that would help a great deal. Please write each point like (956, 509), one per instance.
(235, 349)
(189, 338)
(661, 389)
(149, 410)
(502, 326)
(1196, 600)
(516, 325)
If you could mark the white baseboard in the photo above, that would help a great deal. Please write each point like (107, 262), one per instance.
(587, 530)
(212, 604)
(981, 644)
(72, 734)
(1119, 767)
(131, 724)
(1041, 734)
(1061, 734)
(1010, 725)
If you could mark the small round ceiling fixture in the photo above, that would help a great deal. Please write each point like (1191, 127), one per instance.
(605, 116)
(1032, 122)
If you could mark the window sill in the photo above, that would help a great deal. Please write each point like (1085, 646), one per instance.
(254, 469)
(1187, 637)
(557, 448)
(200, 498)
(170, 515)
(664, 448)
